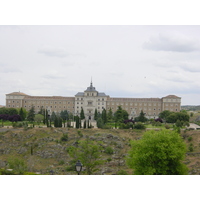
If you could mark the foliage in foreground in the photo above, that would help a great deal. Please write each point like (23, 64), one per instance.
(158, 153)
(88, 153)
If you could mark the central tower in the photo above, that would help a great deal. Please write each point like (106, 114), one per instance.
(90, 100)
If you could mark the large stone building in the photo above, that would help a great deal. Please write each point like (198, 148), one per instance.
(91, 99)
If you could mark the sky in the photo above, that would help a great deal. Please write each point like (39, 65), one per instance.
(122, 60)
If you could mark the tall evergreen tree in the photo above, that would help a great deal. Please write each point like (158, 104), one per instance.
(77, 121)
(95, 114)
(31, 114)
(110, 115)
(47, 118)
(104, 116)
(82, 115)
(22, 114)
(84, 124)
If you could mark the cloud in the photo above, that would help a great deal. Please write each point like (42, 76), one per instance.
(53, 75)
(10, 70)
(169, 42)
(190, 67)
(53, 51)
(178, 77)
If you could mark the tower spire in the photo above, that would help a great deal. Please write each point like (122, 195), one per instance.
(91, 82)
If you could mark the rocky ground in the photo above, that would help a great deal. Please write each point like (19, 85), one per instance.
(43, 151)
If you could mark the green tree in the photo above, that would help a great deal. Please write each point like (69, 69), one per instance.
(141, 117)
(64, 115)
(95, 114)
(31, 114)
(120, 115)
(104, 116)
(100, 123)
(158, 153)
(82, 115)
(164, 114)
(39, 118)
(88, 153)
(110, 115)
(53, 116)
(22, 113)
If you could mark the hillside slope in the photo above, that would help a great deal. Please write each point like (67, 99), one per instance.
(43, 151)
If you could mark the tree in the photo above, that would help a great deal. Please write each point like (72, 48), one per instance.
(164, 114)
(22, 113)
(158, 153)
(39, 118)
(88, 153)
(82, 115)
(121, 115)
(53, 116)
(110, 115)
(31, 114)
(100, 123)
(141, 117)
(64, 115)
(104, 116)
(95, 114)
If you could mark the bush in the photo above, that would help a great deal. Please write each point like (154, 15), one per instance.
(140, 126)
(190, 138)
(7, 172)
(61, 162)
(167, 126)
(64, 138)
(18, 165)
(109, 159)
(79, 133)
(109, 150)
(191, 148)
(122, 172)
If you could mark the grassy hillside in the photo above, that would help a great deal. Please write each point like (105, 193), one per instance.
(43, 151)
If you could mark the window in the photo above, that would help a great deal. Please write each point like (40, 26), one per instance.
(90, 103)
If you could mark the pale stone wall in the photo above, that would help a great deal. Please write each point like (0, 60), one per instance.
(90, 100)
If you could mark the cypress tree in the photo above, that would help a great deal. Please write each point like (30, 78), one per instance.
(95, 114)
(82, 115)
(85, 124)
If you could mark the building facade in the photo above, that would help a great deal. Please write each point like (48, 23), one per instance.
(90, 100)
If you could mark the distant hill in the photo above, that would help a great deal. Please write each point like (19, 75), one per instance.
(190, 107)
(1, 106)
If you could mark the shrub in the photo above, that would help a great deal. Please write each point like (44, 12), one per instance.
(18, 165)
(190, 138)
(7, 172)
(167, 126)
(109, 150)
(64, 138)
(109, 159)
(79, 133)
(140, 126)
(191, 148)
(61, 162)
(122, 172)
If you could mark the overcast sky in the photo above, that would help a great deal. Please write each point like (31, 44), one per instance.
(123, 61)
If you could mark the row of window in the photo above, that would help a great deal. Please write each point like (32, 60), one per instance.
(135, 104)
(81, 99)
(47, 102)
